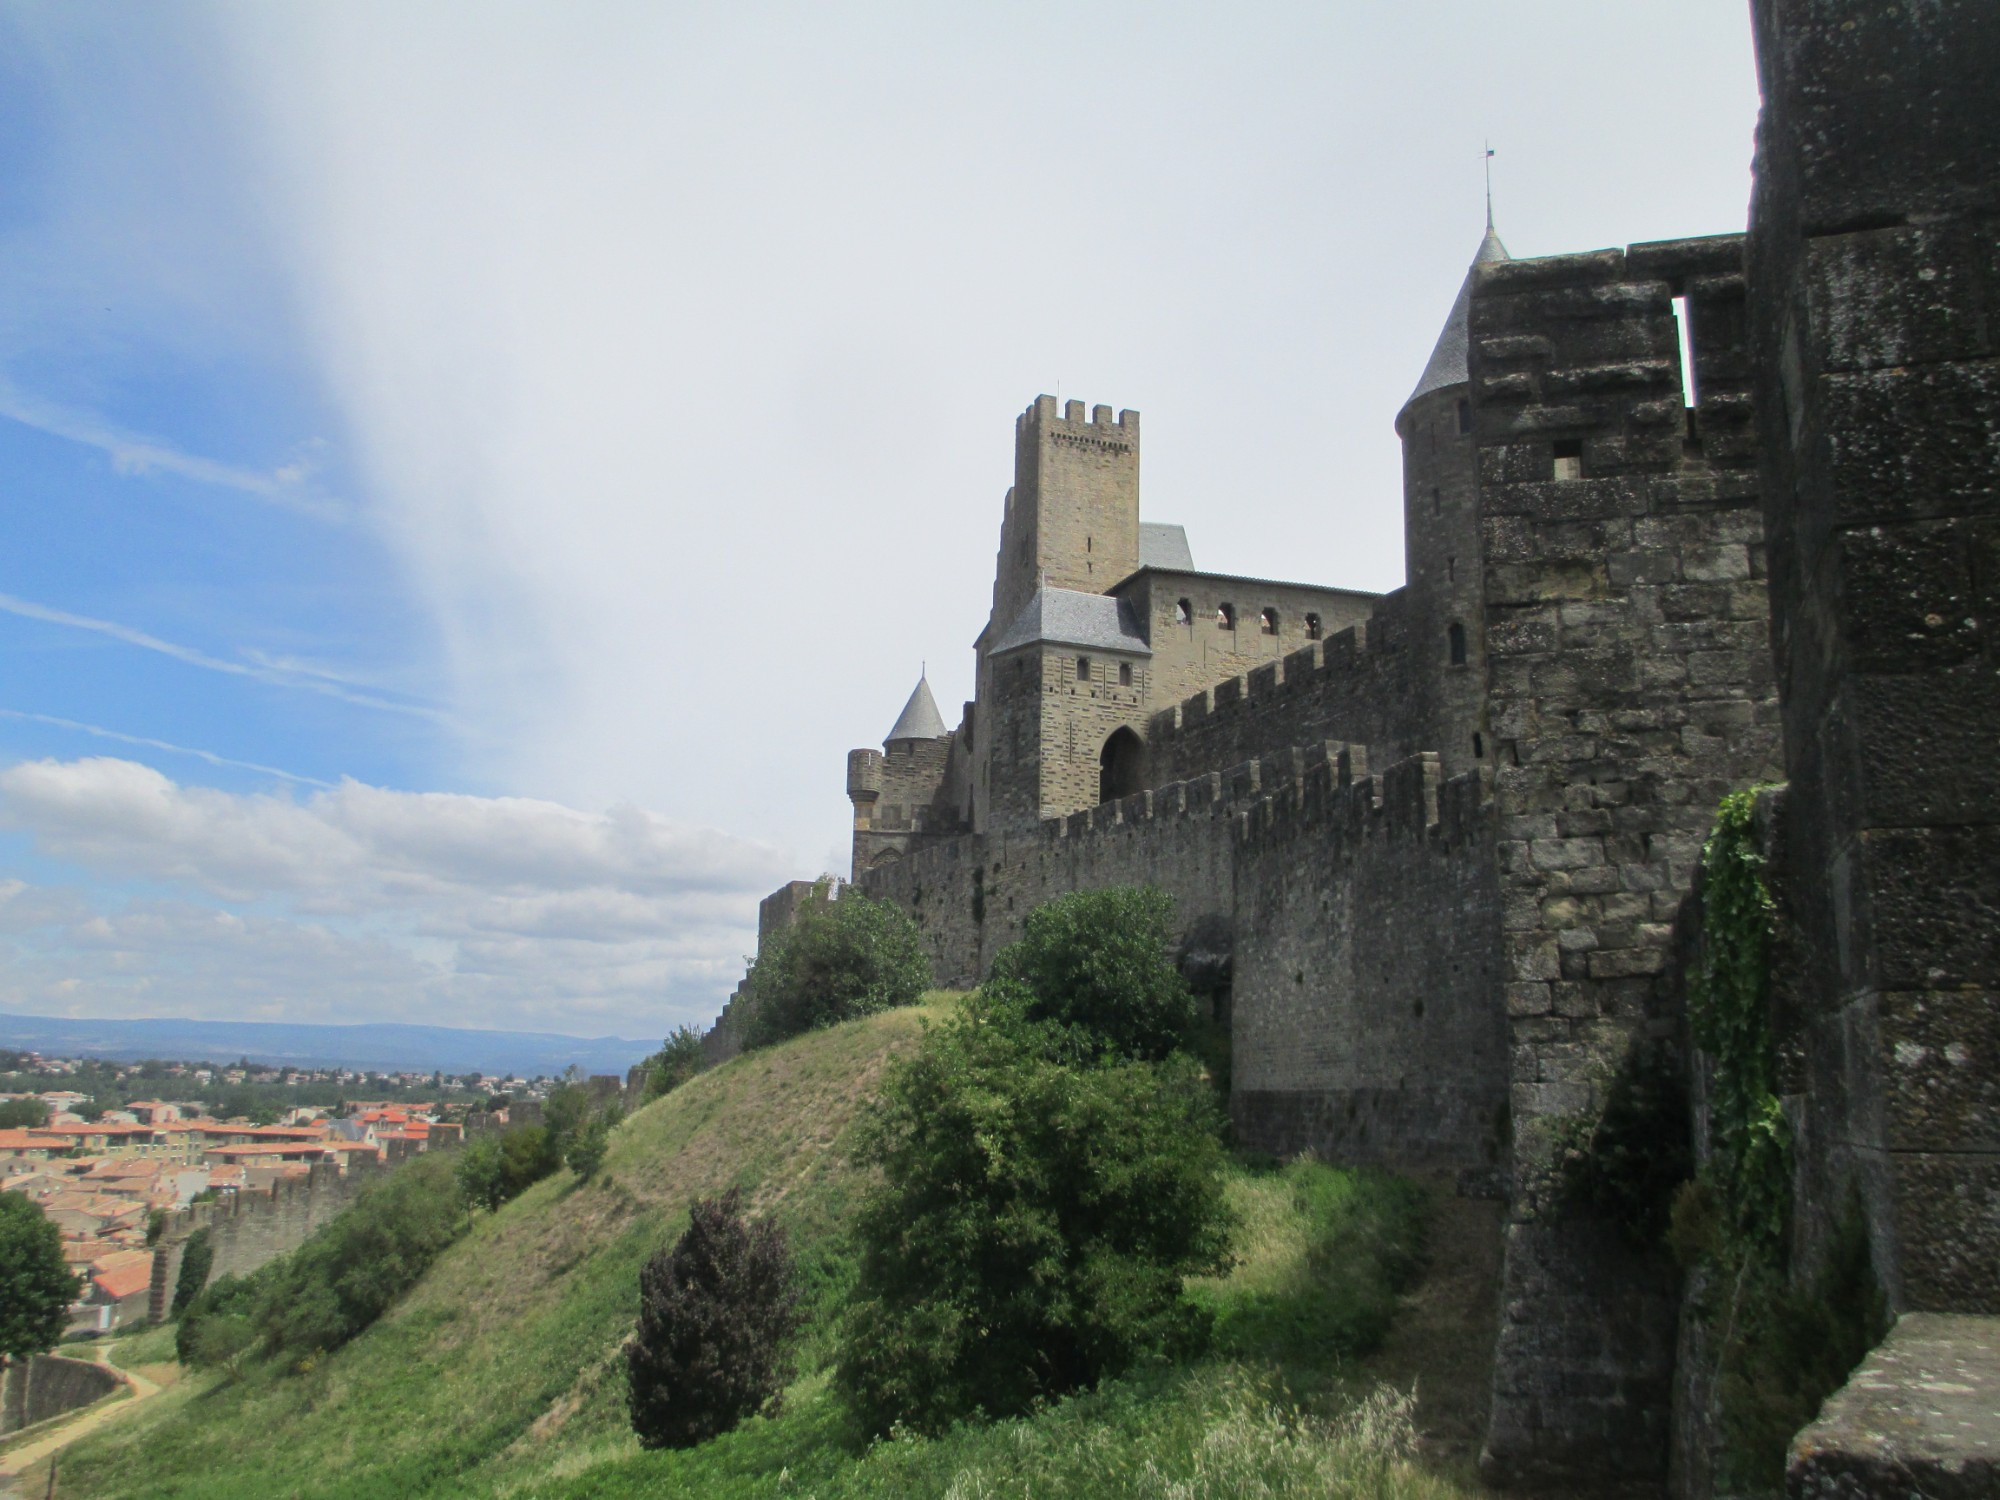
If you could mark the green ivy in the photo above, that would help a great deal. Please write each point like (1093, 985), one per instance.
(1783, 1347)
(1730, 1013)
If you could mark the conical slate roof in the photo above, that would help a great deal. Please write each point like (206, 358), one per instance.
(919, 719)
(1447, 363)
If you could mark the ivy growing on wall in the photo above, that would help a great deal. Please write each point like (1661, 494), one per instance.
(1729, 1011)
(1782, 1347)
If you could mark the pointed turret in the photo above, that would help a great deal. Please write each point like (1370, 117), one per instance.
(1447, 363)
(920, 719)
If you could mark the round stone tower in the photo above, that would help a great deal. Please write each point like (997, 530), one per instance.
(1445, 594)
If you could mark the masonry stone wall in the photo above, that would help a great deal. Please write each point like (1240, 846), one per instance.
(1630, 688)
(1365, 920)
(1876, 282)
(1353, 687)
(1192, 651)
(248, 1229)
(1365, 994)
(48, 1385)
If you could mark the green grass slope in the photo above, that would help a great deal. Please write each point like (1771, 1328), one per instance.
(506, 1354)
(500, 1374)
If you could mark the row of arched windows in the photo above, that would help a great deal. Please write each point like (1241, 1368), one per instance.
(1225, 619)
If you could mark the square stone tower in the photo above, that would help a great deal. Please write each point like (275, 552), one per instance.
(1072, 518)
(1070, 532)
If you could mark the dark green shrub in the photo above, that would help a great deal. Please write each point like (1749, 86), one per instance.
(715, 1313)
(36, 1284)
(675, 1063)
(197, 1256)
(1099, 965)
(837, 960)
(1031, 1225)
(232, 1298)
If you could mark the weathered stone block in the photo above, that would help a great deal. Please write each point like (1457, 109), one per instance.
(1920, 1416)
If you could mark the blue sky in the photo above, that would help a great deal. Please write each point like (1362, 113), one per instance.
(433, 435)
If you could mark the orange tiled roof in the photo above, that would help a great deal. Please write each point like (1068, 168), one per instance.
(127, 1280)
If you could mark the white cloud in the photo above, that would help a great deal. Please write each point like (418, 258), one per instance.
(260, 667)
(288, 486)
(358, 902)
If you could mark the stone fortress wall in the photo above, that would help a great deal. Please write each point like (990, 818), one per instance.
(247, 1229)
(1445, 853)
(1362, 922)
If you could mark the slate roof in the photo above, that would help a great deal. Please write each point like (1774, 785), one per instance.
(1065, 617)
(1164, 546)
(1447, 363)
(919, 719)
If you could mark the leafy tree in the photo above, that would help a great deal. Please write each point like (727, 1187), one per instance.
(715, 1313)
(591, 1141)
(493, 1170)
(230, 1298)
(675, 1063)
(25, 1113)
(1031, 1224)
(36, 1286)
(837, 960)
(1096, 964)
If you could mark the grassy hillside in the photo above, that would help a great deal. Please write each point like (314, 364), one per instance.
(500, 1374)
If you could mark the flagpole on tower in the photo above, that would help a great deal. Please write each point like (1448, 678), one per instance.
(1489, 187)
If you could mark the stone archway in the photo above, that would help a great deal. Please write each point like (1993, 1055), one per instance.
(1121, 766)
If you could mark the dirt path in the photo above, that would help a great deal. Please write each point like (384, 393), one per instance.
(16, 1463)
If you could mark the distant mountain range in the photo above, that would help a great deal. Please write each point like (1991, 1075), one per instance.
(379, 1048)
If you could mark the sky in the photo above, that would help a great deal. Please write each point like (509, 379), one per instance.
(471, 470)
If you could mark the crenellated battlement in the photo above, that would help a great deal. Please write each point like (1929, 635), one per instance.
(1073, 420)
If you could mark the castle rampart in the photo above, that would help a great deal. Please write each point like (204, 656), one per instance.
(1365, 922)
(248, 1228)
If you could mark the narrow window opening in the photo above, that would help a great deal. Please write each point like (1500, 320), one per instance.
(1437, 502)
(1312, 627)
(1225, 617)
(1089, 543)
(1568, 459)
(1083, 669)
(1124, 674)
(1478, 746)
(1464, 418)
(1456, 639)
(1267, 623)
(1683, 330)
(1684, 337)
(1451, 570)
(1184, 613)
